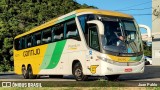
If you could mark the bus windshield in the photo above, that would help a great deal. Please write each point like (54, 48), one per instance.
(121, 35)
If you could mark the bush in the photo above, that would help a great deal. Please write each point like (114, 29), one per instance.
(5, 66)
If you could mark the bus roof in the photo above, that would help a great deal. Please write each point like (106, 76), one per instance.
(73, 14)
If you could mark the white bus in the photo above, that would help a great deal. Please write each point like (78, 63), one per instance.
(85, 42)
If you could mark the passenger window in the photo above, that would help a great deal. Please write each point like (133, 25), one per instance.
(23, 43)
(17, 44)
(37, 38)
(71, 30)
(58, 32)
(29, 41)
(82, 20)
(47, 36)
(93, 38)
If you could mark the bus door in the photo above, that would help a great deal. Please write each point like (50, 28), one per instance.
(93, 42)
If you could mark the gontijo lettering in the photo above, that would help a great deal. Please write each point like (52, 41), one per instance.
(31, 52)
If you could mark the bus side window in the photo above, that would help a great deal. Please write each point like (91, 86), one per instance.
(23, 43)
(83, 19)
(46, 38)
(52, 33)
(17, 44)
(93, 38)
(71, 31)
(58, 32)
(29, 41)
(37, 38)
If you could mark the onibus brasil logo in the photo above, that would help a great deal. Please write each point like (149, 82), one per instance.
(21, 84)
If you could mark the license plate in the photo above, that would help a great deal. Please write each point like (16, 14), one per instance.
(128, 70)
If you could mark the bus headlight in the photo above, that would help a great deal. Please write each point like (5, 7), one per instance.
(106, 60)
(120, 63)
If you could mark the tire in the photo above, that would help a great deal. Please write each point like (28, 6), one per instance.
(147, 63)
(78, 73)
(25, 73)
(55, 76)
(112, 77)
(30, 73)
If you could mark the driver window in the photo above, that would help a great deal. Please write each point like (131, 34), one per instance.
(112, 32)
(93, 38)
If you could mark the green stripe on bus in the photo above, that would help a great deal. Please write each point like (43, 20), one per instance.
(56, 54)
(48, 55)
(66, 18)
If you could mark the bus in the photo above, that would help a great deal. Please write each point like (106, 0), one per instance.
(83, 43)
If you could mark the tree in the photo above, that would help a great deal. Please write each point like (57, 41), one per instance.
(147, 49)
(18, 16)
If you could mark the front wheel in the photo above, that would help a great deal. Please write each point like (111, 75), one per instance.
(112, 77)
(78, 73)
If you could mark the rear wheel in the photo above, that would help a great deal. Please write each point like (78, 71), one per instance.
(112, 77)
(55, 76)
(30, 72)
(78, 73)
(25, 72)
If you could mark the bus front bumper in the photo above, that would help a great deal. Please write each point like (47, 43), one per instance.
(112, 69)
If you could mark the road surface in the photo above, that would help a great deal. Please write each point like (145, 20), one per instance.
(151, 73)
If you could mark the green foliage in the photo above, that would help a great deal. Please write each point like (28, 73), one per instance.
(18, 16)
(5, 66)
(147, 49)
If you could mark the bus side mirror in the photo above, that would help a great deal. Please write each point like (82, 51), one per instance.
(147, 37)
(99, 25)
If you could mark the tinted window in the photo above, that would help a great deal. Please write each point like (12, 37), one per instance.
(29, 41)
(82, 20)
(93, 38)
(58, 32)
(46, 36)
(71, 30)
(17, 44)
(37, 38)
(23, 43)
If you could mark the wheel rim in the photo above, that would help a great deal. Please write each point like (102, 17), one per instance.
(23, 71)
(78, 72)
(30, 72)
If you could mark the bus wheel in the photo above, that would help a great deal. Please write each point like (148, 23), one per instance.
(25, 72)
(112, 77)
(30, 72)
(55, 76)
(78, 73)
